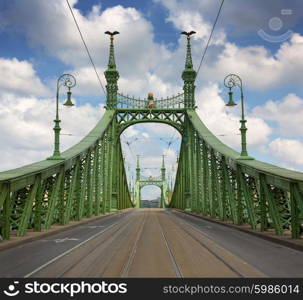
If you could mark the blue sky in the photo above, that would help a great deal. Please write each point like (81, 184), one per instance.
(39, 42)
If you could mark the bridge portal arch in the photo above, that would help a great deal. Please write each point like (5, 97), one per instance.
(159, 181)
(150, 196)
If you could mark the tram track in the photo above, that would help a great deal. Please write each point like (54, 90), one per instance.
(41, 270)
(126, 267)
(238, 267)
(170, 253)
(147, 243)
(181, 226)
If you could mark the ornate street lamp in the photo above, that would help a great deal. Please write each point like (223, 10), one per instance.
(68, 81)
(230, 82)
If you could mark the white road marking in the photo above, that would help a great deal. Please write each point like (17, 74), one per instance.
(68, 251)
(94, 227)
(61, 240)
(65, 240)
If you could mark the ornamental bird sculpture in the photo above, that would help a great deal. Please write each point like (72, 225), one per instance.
(188, 34)
(112, 33)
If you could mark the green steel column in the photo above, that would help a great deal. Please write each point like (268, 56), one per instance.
(108, 159)
(114, 162)
(104, 173)
(216, 187)
(28, 207)
(188, 167)
(7, 210)
(98, 179)
(198, 171)
(194, 174)
(94, 181)
(273, 209)
(213, 202)
(163, 188)
(296, 205)
(184, 177)
(89, 202)
(263, 209)
(84, 187)
(71, 193)
(230, 191)
(247, 198)
(76, 206)
(239, 199)
(223, 189)
(53, 199)
(120, 173)
(61, 199)
(204, 183)
(38, 206)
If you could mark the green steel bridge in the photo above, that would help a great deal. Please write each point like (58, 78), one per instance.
(90, 178)
(160, 181)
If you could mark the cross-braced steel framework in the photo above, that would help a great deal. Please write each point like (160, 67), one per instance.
(91, 178)
(160, 181)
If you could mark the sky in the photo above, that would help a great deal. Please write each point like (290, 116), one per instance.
(261, 41)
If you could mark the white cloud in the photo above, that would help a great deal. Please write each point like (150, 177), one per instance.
(288, 151)
(143, 64)
(26, 128)
(287, 114)
(224, 122)
(20, 77)
(258, 67)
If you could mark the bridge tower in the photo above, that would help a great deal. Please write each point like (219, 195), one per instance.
(172, 111)
(160, 181)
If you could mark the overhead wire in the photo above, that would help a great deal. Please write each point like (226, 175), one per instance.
(210, 36)
(86, 48)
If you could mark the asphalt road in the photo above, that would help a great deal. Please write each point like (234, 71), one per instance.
(151, 243)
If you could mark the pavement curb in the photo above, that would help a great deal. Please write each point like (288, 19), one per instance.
(31, 236)
(282, 240)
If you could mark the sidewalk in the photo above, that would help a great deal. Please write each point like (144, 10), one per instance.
(31, 235)
(269, 235)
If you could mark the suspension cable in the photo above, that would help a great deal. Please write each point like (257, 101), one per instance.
(210, 36)
(86, 48)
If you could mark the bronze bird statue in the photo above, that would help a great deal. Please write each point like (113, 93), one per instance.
(112, 33)
(188, 34)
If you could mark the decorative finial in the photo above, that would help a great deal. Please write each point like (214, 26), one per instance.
(151, 102)
(112, 34)
(111, 60)
(188, 62)
(188, 34)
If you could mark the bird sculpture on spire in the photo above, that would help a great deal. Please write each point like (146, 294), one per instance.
(112, 33)
(188, 34)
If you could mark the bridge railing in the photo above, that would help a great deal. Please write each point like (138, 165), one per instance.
(242, 191)
(125, 101)
(49, 192)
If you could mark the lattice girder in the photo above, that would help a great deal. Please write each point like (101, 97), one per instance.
(128, 117)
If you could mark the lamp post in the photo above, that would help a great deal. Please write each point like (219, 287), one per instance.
(230, 82)
(68, 81)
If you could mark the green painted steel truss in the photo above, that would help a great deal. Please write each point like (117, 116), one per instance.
(172, 117)
(212, 181)
(91, 178)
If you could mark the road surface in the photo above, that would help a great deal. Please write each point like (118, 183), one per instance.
(151, 243)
